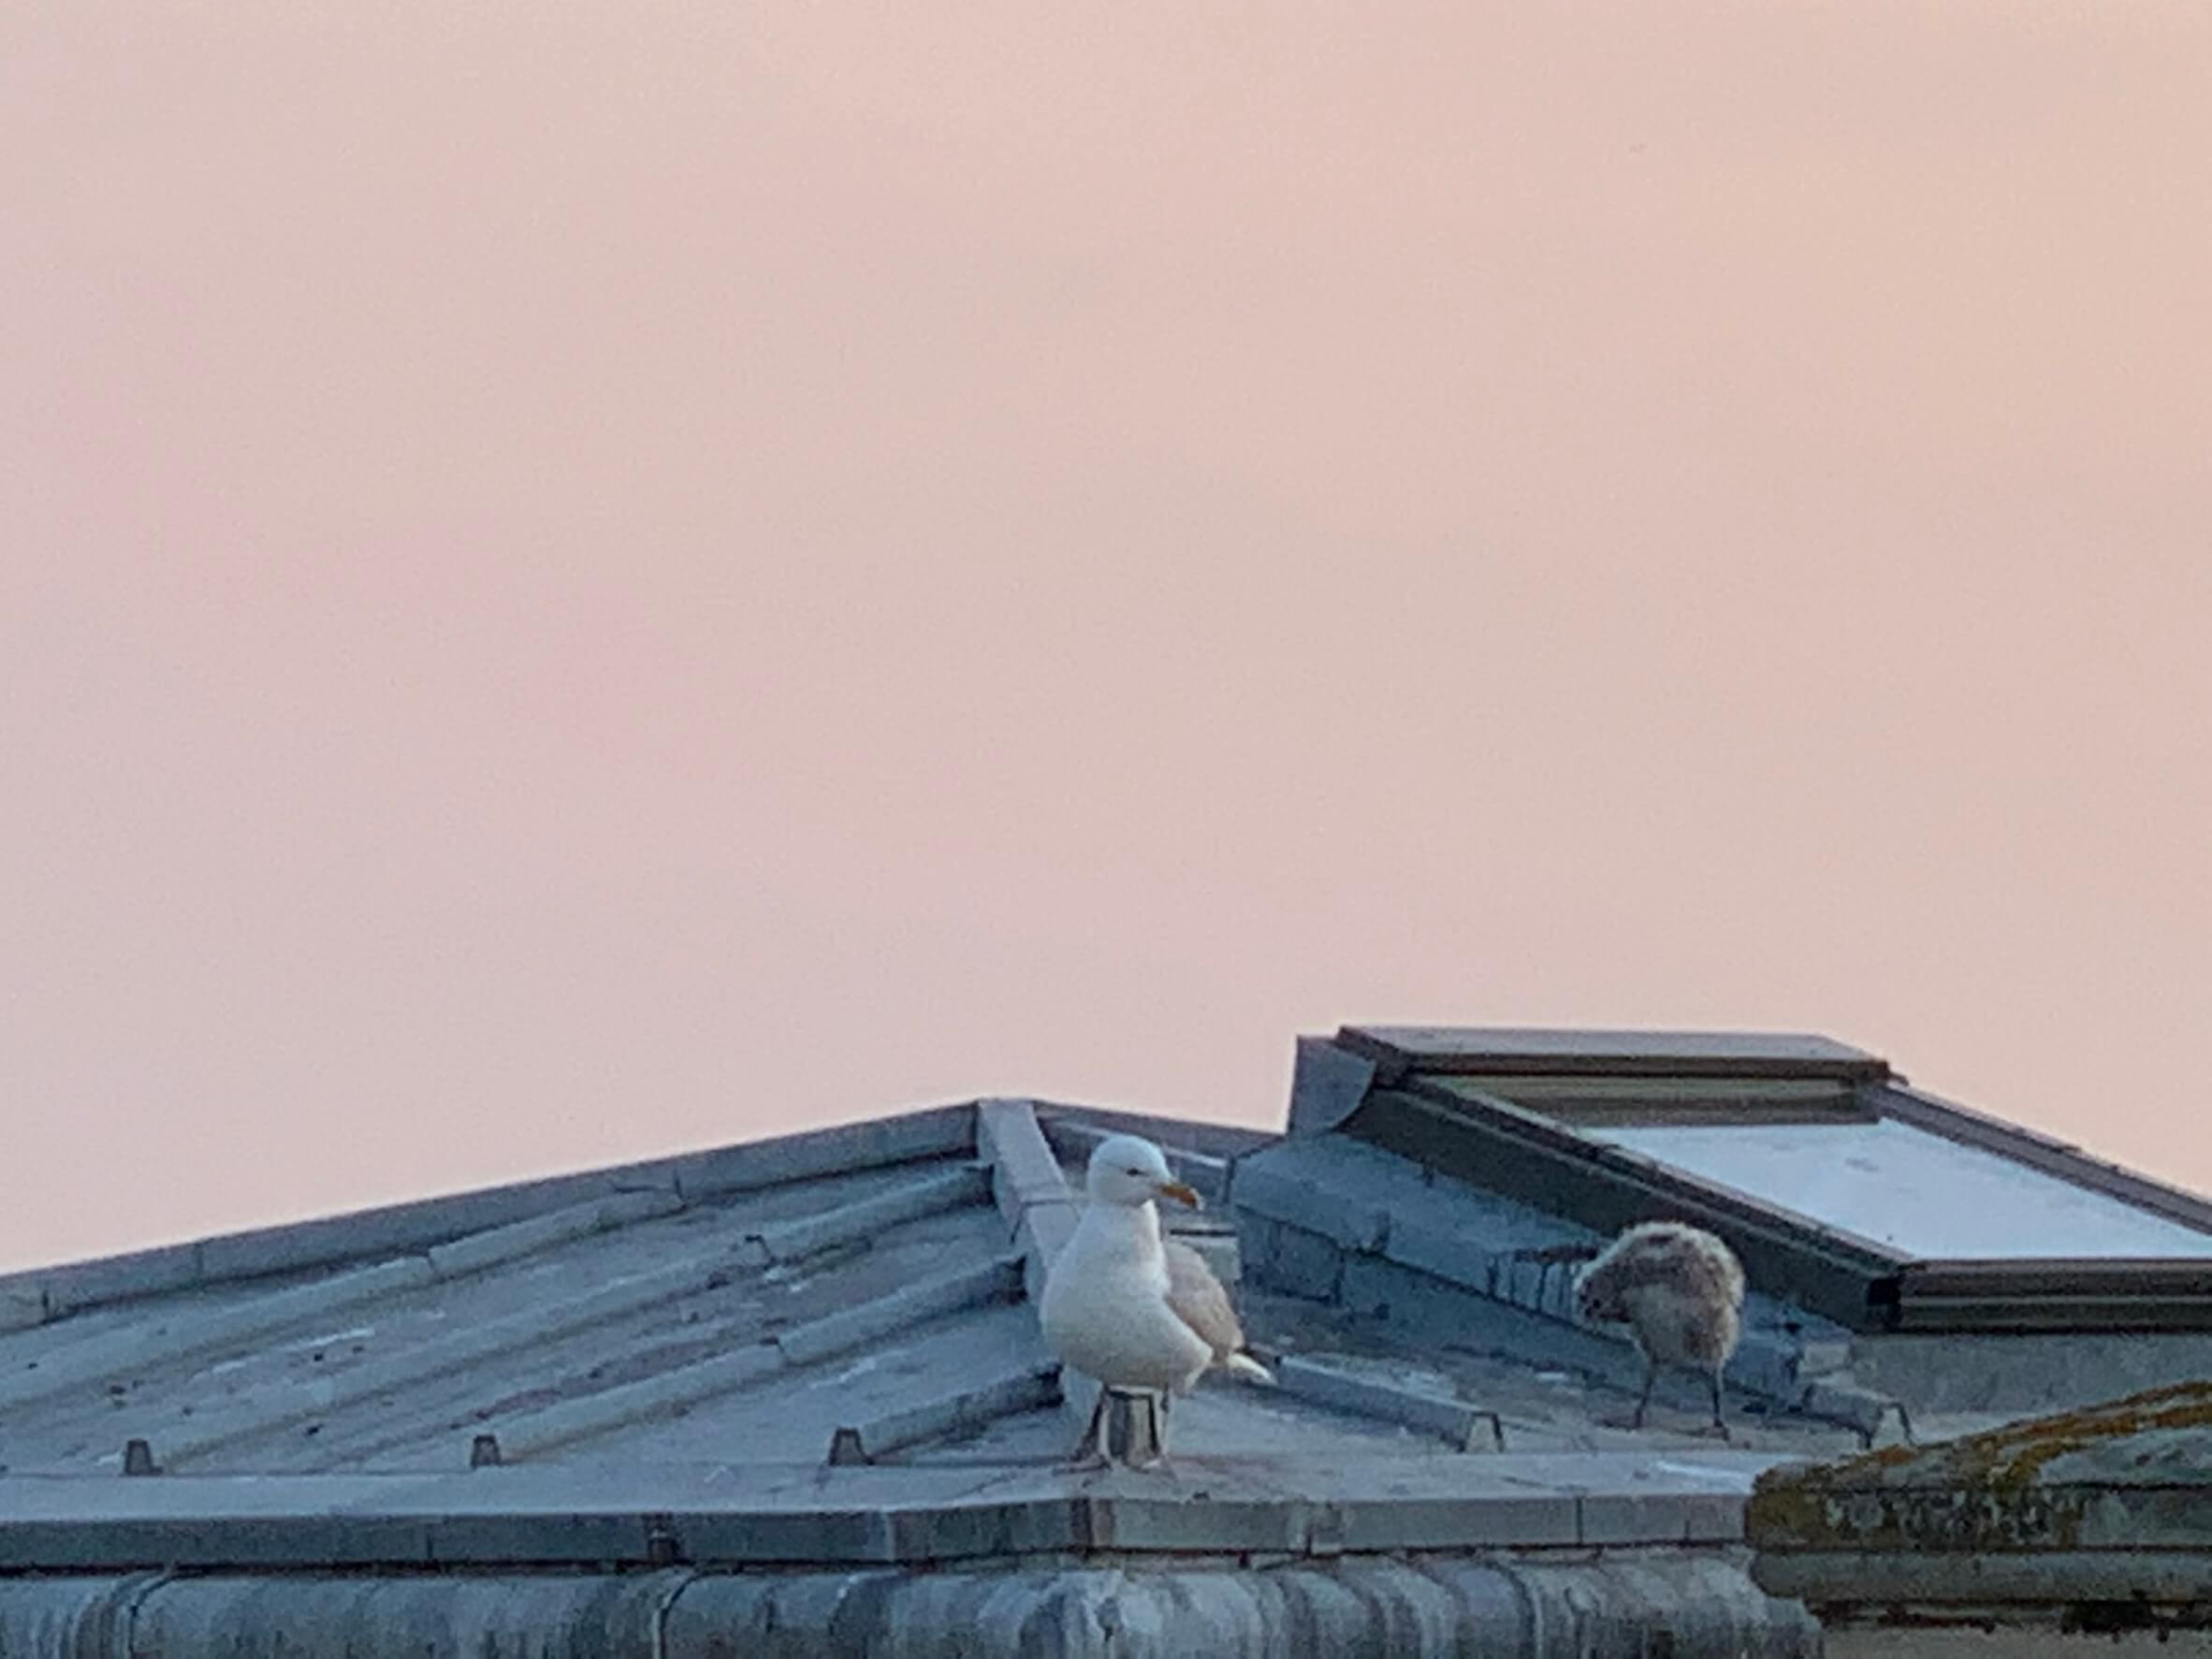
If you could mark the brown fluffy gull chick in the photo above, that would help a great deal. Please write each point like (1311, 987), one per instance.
(1679, 1290)
(1139, 1314)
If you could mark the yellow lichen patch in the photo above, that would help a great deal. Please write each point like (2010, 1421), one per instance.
(1979, 1490)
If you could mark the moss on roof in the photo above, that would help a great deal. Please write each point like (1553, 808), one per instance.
(2027, 1485)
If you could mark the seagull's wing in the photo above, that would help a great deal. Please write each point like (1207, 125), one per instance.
(1200, 1301)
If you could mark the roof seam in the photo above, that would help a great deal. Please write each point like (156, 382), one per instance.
(562, 1423)
(41, 1295)
(97, 1357)
(1033, 1196)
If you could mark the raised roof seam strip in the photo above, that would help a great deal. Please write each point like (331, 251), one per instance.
(37, 1296)
(826, 1338)
(454, 1351)
(98, 1358)
(1032, 1190)
(864, 1218)
(1017, 1388)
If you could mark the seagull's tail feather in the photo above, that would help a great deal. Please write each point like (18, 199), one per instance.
(1248, 1368)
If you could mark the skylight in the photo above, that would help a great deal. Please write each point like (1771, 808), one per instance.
(1840, 1185)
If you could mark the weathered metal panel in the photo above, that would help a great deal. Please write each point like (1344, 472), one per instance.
(1475, 1049)
(1327, 1084)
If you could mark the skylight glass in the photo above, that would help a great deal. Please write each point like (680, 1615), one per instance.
(1904, 1187)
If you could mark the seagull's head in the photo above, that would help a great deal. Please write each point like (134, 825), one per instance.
(1129, 1171)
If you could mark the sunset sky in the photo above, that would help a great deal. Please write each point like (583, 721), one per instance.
(584, 580)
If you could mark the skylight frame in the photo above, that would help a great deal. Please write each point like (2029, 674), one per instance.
(1432, 1094)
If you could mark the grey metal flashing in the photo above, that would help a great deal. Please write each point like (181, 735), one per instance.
(1023, 1171)
(1327, 1084)
(96, 1358)
(523, 1329)
(478, 1252)
(2049, 1294)
(1597, 1101)
(1472, 1050)
(932, 1194)
(534, 1433)
(880, 1514)
(1044, 1233)
(1023, 1388)
(63, 1290)
(937, 1131)
(1335, 1204)
(998, 1279)
(1513, 1607)
(1211, 1140)
(1034, 1194)
(421, 1224)
(1460, 1425)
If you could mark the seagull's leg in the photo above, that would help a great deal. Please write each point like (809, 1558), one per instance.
(1644, 1399)
(1155, 1411)
(1719, 1427)
(1090, 1450)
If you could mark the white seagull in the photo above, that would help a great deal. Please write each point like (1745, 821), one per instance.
(1137, 1313)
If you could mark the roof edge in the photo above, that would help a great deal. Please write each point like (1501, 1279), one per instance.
(34, 1295)
(1420, 1607)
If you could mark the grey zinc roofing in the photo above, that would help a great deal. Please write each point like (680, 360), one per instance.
(800, 1381)
(859, 1294)
(1478, 1049)
(816, 1404)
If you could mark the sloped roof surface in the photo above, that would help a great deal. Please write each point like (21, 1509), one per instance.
(766, 1325)
(808, 1300)
(729, 1317)
(818, 1357)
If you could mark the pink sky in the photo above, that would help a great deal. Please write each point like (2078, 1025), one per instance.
(581, 581)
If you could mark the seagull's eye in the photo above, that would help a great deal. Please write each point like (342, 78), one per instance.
(1136, 1172)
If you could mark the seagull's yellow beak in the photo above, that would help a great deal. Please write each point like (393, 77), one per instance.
(1180, 1193)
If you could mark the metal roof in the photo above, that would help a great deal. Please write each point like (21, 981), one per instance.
(814, 1356)
(817, 1355)
(741, 1306)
